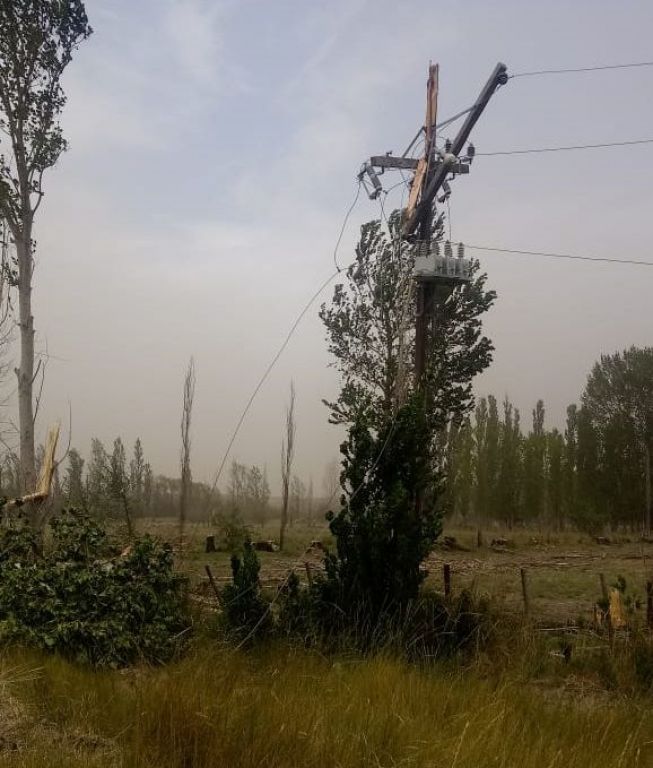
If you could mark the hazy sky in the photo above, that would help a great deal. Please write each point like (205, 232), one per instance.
(214, 148)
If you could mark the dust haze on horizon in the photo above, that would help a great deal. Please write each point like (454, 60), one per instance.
(213, 154)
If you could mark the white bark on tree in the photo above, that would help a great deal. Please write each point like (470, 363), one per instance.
(186, 476)
(287, 456)
(25, 373)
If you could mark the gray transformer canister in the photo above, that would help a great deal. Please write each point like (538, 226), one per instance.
(431, 266)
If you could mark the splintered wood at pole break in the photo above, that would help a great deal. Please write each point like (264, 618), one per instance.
(432, 173)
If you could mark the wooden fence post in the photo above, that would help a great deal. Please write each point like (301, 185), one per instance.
(606, 599)
(446, 572)
(524, 591)
(216, 591)
(604, 589)
(210, 544)
(649, 604)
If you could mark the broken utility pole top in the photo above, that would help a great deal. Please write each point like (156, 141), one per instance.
(437, 165)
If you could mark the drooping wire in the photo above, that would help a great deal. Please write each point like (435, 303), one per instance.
(281, 349)
(267, 372)
(567, 71)
(551, 255)
(344, 225)
(537, 150)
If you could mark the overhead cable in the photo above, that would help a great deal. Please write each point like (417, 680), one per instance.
(551, 255)
(568, 71)
(344, 224)
(537, 150)
(281, 349)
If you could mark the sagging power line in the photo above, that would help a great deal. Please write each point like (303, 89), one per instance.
(552, 255)
(566, 148)
(575, 70)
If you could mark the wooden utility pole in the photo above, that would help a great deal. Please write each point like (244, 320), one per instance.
(436, 276)
(418, 217)
(423, 174)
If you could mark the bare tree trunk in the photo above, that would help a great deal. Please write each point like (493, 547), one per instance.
(309, 503)
(25, 373)
(186, 476)
(647, 471)
(128, 514)
(287, 455)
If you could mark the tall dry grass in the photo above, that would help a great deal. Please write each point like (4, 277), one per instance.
(282, 708)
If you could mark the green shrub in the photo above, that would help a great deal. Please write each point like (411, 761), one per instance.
(85, 601)
(382, 537)
(246, 614)
(233, 533)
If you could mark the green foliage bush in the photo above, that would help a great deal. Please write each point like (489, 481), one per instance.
(87, 602)
(382, 537)
(245, 613)
(233, 533)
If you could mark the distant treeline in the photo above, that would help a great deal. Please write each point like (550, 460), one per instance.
(109, 483)
(589, 476)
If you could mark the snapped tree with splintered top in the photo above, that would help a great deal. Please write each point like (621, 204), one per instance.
(37, 40)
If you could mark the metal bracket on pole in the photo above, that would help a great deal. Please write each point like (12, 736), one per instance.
(498, 77)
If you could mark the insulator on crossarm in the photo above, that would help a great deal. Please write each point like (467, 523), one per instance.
(461, 251)
(448, 251)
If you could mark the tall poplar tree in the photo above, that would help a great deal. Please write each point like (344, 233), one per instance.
(37, 40)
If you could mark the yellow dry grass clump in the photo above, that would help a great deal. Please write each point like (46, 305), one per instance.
(281, 708)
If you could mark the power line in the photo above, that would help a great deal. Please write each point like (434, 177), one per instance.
(550, 255)
(537, 150)
(266, 373)
(283, 346)
(582, 69)
(344, 224)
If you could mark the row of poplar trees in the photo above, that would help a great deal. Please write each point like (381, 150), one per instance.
(593, 474)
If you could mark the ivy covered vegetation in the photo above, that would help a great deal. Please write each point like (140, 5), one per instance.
(87, 600)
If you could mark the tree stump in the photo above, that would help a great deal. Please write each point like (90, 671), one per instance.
(446, 572)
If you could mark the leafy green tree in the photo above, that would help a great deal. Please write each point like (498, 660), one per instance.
(97, 478)
(37, 40)
(382, 534)
(570, 464)
(258, 494)
(136, 474)
(460, 473)
(297, 499)
(117, 471)
(535, 468)
(10, 475)
(73, 485)
(119, 484)
(148, 486)
(590, 512)
(370, 333)
(510, 466)
(393, 457)
(618, 402)
(481, 486)
(555, 449)
(492, 460)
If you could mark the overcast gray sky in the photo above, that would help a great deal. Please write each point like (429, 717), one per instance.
(214, 148)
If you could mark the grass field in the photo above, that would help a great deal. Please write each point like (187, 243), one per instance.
(518, 703)
(562, 570)
(282, 708)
